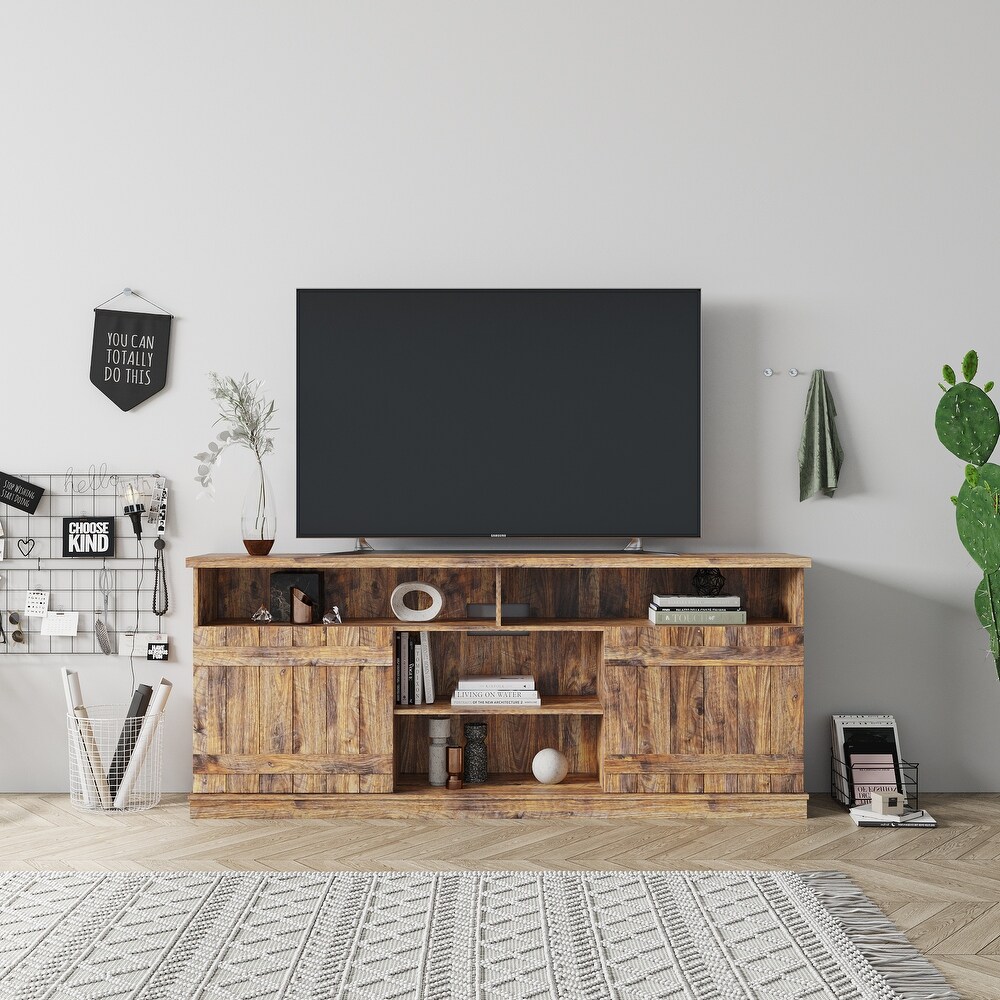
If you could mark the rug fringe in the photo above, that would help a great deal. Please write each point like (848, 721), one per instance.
(908, 973)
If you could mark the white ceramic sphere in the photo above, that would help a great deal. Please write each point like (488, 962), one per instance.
(549, 766)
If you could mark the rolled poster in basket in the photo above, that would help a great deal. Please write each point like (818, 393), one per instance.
(88, 755)
(143, 742)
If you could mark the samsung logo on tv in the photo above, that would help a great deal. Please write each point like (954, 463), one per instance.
(498, 535)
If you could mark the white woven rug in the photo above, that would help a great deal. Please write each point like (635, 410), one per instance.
(452, 936)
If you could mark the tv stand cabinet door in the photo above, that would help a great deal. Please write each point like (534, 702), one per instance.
(293, 710)
(703, 710)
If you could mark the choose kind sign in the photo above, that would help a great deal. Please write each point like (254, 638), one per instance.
(128, 362)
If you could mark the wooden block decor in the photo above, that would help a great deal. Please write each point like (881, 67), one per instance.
(694, 720)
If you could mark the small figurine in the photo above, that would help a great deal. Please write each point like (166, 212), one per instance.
(332, 617)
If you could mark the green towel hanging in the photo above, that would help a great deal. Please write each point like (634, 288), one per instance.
(820, 454)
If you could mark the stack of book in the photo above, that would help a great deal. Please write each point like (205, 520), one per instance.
(689, 609)
(414, 669)
(517, 691)
(917, 818)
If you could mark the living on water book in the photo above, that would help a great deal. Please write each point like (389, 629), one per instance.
(129, 734)
(495, 698)
(658, 617)
(497, 682)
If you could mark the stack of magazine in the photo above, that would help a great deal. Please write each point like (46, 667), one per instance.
(517, 691)
(691, 609)
(109, 783)
(918, 818)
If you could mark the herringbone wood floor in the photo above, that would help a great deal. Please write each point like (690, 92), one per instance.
(942, 887)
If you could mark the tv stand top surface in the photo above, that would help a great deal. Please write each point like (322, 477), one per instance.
(502, 560)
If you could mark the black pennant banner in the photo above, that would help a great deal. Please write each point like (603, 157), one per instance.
(129, 359)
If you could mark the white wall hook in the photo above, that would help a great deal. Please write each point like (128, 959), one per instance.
(793, 372)
(768, 372)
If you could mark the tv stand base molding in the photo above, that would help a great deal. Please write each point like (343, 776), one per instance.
(301, 720)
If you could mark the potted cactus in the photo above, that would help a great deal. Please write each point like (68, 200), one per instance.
(968, 426)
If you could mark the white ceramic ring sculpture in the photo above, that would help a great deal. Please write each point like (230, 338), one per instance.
(405, 614)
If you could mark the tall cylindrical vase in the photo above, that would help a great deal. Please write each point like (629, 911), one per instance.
(259, 522)
(439, 729)
(475, 769)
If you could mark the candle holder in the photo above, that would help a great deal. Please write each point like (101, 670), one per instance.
(439, 731)
(455, 756)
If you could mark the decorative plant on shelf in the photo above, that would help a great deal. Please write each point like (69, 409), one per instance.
(247, 415)
(969, 427)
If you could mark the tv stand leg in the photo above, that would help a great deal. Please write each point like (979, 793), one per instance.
(361, 545)
(635, 545)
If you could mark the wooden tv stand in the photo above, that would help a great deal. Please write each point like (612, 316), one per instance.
(300, 720)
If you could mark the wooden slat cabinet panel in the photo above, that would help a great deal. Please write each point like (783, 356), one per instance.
(268, 695)
(717, 710)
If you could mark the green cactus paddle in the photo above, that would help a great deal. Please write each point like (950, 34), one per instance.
(968, 425)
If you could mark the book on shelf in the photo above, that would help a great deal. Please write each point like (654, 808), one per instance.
(496, 698)
(513, 682)
(668, 602)
(428, 666)
(399, 671)
(411, 641)
(701, 609)
(405, 642)
(658, 617)
(917, 819)
(143, 741)
(129, 734)
(418, 674)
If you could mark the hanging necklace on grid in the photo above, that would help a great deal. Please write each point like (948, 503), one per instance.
(160, 583)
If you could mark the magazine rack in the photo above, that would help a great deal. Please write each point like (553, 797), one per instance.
(114, 759)
(844, 777)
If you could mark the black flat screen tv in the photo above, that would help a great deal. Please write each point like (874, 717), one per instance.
(498, 412)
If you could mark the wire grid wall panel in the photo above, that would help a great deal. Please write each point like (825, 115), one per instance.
(34, 561)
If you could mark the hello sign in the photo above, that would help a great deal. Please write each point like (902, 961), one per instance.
(128, 362)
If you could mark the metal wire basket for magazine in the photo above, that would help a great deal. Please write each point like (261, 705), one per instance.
(114, 759)
(851, 784)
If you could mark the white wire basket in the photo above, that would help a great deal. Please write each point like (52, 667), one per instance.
(114, 759)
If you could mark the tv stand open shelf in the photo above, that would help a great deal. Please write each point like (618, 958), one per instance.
(300, 720)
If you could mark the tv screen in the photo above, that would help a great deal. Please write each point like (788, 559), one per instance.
(542, 412)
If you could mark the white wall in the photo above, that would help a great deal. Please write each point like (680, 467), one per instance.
(825, 172)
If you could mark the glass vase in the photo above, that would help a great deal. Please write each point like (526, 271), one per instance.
(259, 521)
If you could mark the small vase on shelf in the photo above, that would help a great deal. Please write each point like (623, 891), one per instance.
(259, 521)
(475, 770)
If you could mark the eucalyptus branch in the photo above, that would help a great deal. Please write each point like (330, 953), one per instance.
(246, 415)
